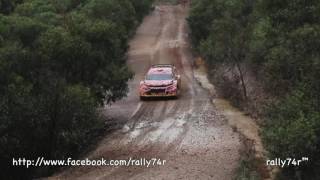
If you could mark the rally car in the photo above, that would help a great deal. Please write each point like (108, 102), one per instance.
(161, 80)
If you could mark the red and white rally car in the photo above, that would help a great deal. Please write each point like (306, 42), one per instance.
(162, 80)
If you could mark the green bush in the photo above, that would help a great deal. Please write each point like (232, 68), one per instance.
(7, 6)
(293, 131)
(59, 61)
(279, 41)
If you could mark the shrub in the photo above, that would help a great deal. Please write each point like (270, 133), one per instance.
(59, 61)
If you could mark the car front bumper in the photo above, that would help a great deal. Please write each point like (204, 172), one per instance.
(159, 95)
(159, 92)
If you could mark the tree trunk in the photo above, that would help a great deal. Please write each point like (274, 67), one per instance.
(244, 88)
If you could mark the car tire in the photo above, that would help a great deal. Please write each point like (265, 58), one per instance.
(178, 93)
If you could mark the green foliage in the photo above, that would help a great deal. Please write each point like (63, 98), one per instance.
(221, 29)
(59, 61)
(7, 6)
(201, 16)
(111, 10)
(296, 59)
(280, 40)
(293, 130)
(49, 125)
(139, 6)
(246, 171)
(23, 29)
(224, 36)
(294, 126)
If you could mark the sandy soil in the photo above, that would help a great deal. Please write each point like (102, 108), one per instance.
(189, 133)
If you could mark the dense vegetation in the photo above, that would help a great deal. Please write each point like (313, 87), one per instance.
(59, 61)
(280, 40)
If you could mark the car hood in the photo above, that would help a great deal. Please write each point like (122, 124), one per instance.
(158, 82)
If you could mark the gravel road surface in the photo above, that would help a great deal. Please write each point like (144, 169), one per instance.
(189, 133)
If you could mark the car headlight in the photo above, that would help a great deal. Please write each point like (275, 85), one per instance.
(144, 87)
(171, 88)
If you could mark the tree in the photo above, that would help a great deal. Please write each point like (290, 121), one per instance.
(228, 34)
(59, 61)
(7, 6)
(279, 41)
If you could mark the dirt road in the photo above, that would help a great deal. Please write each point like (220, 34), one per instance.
(189, 133)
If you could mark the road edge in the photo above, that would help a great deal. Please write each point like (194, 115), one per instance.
(246, 126)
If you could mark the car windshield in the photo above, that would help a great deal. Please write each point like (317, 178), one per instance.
(159, 77)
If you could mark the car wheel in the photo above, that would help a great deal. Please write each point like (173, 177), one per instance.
(178, 93)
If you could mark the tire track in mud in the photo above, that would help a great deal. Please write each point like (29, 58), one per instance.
(173, 33)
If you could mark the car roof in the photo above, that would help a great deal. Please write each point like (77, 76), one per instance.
(160, 70)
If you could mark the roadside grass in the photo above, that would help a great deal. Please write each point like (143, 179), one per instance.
(247, 171)
(250, 167)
